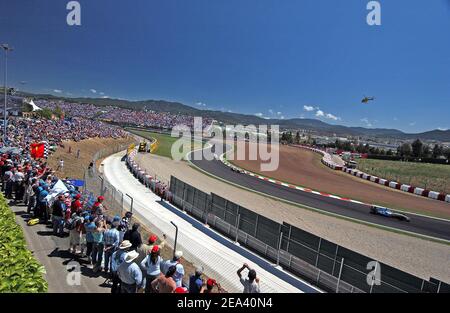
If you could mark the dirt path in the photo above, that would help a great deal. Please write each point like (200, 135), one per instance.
(413, 255)
(303, 167)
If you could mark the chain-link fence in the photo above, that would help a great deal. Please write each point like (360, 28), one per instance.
(321, 262)
(118, 203)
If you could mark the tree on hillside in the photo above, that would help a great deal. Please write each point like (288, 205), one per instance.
(417, 148)
(389, 152)
(45, 113)
(297, 137)
(405, 150)
(426, 152)
(58, 111)
(438, 150)
(446, 153)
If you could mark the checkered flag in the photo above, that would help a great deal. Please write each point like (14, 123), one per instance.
(46, 149)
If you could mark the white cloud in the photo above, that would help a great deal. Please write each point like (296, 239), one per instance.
(57, 90)
(201, 104)
(101, 93)
(412, 124)
(320, 113)
(442, 128)
(105, 97)
(93, 90)
(270, 111)
(308, 108)
(395, 119)
(259, 114)
(278, 113)
(366, 121)
(332, 117)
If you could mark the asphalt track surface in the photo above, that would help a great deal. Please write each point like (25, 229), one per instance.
(418, 224)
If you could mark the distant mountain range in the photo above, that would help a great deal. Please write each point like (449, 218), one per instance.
(245, 119)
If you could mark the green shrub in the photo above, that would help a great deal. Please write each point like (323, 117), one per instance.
(19, 270)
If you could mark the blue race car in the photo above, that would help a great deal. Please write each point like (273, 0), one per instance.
(388, 213)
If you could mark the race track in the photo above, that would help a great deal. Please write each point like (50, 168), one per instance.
(421, 225)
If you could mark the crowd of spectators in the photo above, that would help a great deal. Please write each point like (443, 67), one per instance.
(21, 132)
(109, 243)
(142, 118)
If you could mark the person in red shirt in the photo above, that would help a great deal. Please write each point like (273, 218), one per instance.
(98, 207)
(76, 205)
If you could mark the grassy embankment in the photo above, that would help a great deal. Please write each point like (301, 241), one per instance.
(434, 177)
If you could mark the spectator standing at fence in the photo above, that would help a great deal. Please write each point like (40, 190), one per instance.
(90, 227)
(117, 258)
(196, 281)
(111, 241)
(98, 207)
(175, 261)
(251, 283)
(152, 267)
(134, 236)
(58, 213)
(130, 274)
(98, 245)
(145, 249)
(124, 224)
(76, 204)
(165, 283)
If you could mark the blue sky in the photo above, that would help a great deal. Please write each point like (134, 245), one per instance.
(270, 57)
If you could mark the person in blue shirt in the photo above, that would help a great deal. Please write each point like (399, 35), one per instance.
(90, 228)
(42, 202)
(98, 245)
(117, 258)
(58, 212)
(196, 281)
(130, 274)
(152, 266)
(111, 242)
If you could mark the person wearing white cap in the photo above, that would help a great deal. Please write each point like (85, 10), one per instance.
(117, 258)
(179, 273)
(130, 274)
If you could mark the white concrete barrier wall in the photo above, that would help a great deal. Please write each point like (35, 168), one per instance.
(433, 195)
(419, 191)
(404, 187)
(392, 184)
(447, 198)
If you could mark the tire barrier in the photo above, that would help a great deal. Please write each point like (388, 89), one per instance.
(326, 159)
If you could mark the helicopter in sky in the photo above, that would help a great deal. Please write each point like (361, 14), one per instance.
(367, 99)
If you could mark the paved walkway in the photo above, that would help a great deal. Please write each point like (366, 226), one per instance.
(220, 257)
(62, 268)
